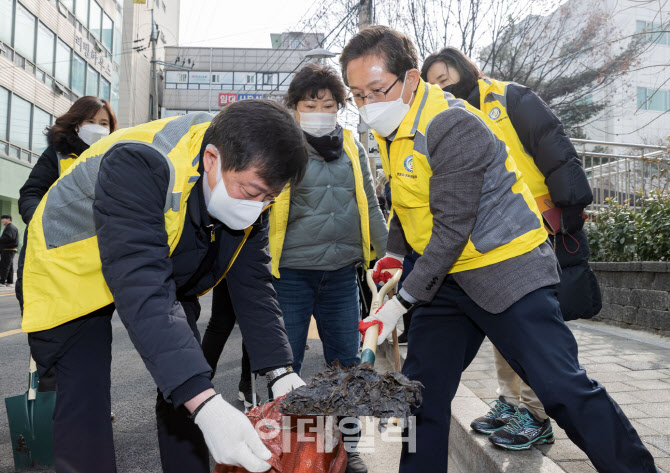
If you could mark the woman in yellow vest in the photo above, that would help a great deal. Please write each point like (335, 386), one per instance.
(485, 267)
(322, 228)
(88, 119)
(552, 170)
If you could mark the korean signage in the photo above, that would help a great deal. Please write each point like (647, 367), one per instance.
(96, 58)
(225, 99)
(198, 77)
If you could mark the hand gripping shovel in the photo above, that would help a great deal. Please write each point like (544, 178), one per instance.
(369, 350)
(30, 418)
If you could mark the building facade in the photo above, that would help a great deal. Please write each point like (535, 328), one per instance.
(51, 53)
(141, 20)
(207, 79)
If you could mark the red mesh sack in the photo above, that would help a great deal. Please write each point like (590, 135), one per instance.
(305, 455)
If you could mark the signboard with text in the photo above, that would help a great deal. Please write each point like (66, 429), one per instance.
(92, 56)
(225, 99)
(249, 96)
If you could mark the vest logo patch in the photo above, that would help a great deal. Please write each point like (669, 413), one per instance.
(494, 114)
(409, 163)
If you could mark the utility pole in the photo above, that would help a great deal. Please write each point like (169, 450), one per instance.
(364, 20)
(154, 69)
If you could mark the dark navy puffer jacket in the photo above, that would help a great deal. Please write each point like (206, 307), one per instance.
(148, 283)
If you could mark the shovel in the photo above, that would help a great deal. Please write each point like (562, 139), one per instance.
(30, 418)
(369, 350)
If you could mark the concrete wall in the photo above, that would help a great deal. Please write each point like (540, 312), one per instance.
(635, 295)
(13, 173)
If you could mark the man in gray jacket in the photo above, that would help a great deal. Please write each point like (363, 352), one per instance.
(485, 268)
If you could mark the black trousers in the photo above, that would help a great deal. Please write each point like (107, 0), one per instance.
(7, 266)
(219, 328)
(532, 336)
(81, 352)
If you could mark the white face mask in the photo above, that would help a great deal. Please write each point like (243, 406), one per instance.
(90, 133)
(385, 117)
(317, 123)
(237, 214)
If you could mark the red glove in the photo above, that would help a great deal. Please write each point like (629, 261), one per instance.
(363, 326)
(387, 262)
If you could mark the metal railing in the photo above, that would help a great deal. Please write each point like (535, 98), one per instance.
(627, 172)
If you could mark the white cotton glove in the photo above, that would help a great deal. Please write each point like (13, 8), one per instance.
(286, 384)
(388, 314)
(230, 437)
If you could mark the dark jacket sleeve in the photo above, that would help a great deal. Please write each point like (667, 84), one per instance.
(128, 210)
(542, 135)
(42, 176)
(461, 149)
(255, 303)
(9, 240)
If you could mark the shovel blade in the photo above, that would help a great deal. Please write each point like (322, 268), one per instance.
(31, 429)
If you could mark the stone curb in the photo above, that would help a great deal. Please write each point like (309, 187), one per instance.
(473, 453)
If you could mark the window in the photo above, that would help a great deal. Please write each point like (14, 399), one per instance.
(6, 15)
(652, 99)
(91, 81)
(78, 75)
(655, 32)
(46, 42)
(24, 43)
(245, 80)
(104, 89)
(4, 112)
(69, 4)
(81, 11)
(63, 54)
(107, 31)
(41, 120)
(19, 122)
(95, 19)
(176, 77)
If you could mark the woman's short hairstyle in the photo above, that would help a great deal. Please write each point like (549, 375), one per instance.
(312, 78)
(452, 57)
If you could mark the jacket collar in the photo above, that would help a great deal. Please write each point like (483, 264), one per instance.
(410, 123)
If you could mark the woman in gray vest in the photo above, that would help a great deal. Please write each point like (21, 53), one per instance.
(321, 229)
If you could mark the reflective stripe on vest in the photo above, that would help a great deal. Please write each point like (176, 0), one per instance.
(62, 276)
(493, 103)
(282, 205)
(508, 222)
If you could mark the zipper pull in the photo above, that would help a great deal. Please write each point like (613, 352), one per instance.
(212, 233)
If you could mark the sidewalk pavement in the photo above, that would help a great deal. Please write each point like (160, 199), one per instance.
(633, 366)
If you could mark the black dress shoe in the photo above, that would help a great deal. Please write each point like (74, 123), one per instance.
(355, 463)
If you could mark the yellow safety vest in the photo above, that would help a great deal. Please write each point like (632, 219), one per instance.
(281, 207)
(62, 276)
(507, 227)
(493, 103)
(65, 161)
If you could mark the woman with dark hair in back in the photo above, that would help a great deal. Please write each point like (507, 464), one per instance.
(553, 172)
(88, 119)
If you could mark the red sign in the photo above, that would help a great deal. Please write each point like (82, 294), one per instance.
(225, 99)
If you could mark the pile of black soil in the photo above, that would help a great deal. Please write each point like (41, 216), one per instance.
(355, 391)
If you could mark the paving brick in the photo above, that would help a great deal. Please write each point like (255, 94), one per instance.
(468, 375)
(663, 464)
(562, 450)
(655, 409)
(577, 466)
(648, 384)
(661, 442)
(605, 367)
(642, 365)
(659, 424)
(654, 395)
(648, 374)
(623, 398)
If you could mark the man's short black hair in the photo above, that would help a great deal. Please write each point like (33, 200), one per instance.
(396, 48)
(262, 134)
(6, 216)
